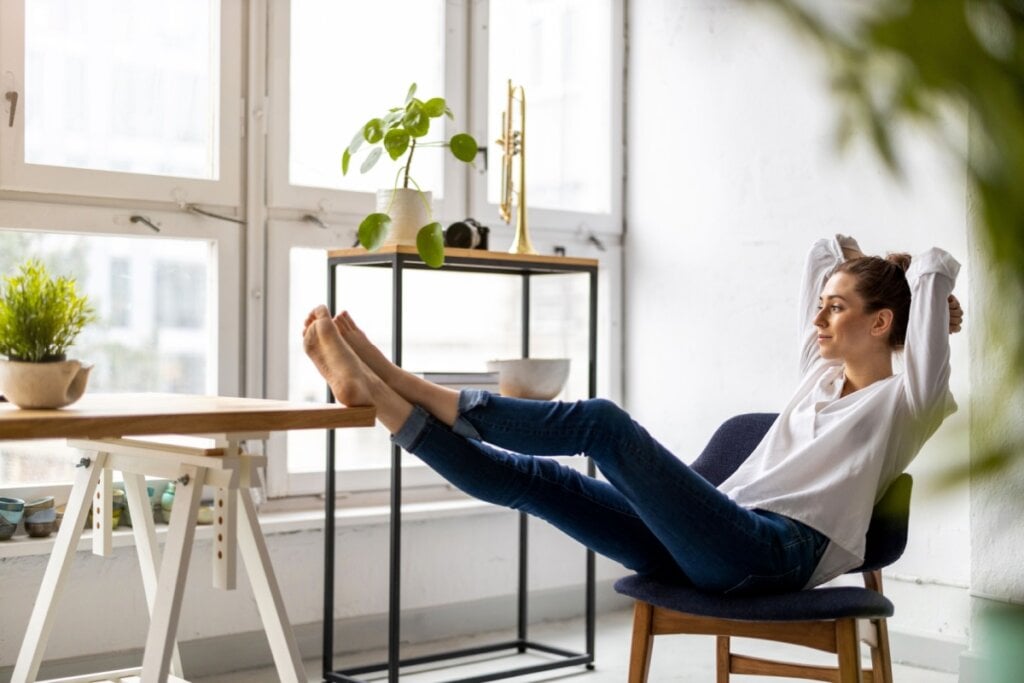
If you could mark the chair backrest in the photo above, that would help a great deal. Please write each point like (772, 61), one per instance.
(730, 445)
(736, 439)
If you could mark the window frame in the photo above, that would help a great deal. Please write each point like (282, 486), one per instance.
(18, 176)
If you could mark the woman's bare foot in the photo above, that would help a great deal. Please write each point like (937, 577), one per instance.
(364, 348)
(336, 362)
(441, 402)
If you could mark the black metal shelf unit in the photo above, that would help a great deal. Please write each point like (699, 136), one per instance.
(400, 259)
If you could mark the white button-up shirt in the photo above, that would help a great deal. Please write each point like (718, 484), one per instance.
(828, 458)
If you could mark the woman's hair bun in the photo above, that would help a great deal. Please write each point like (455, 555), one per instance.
(900, 259)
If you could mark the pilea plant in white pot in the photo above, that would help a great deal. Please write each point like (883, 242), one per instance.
(40, 318)
(404, 214)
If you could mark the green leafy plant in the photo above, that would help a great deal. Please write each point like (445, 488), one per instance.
(40, 315)
(399, 133)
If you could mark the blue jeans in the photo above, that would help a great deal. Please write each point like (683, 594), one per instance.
(654, 515)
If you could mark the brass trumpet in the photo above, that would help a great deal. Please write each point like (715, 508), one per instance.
(513, 144)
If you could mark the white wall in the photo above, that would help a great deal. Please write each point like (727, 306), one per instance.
(731, 175)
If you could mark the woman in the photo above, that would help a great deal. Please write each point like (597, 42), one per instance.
(794, 515)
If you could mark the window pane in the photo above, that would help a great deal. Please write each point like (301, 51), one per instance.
(123, 86)
(560, 52)
(350, 62)
(153, 332)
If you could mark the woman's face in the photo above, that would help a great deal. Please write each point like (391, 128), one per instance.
(845, 329)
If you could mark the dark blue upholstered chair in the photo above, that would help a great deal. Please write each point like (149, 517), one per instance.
(821, 618)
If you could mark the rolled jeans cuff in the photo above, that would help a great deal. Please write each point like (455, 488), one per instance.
(468, 400)
(412, 430)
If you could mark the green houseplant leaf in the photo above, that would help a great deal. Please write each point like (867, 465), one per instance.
(373, 230)
(430, 244)
(416, 121)
(434, 107)
(396, 141)
(371, 159)
(463, 146)
(373, 131)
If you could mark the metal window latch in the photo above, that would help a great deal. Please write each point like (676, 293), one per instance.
(12, 97)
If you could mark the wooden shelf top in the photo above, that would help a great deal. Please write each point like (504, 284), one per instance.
(481, 257)
(111, 415)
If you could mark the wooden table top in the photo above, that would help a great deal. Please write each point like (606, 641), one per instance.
(98, 416)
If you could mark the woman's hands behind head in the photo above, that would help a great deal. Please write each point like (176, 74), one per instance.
(956, 315)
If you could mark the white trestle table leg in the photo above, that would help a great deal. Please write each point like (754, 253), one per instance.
(145, 545)
(163, 626)
(268, 596)
(64, 547)
(225, 512)
(103, 514)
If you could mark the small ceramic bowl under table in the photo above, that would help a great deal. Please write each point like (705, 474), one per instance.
(40, 517)
(11, 511)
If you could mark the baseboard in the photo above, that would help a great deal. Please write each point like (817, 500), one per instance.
(972, 667)
(241, 651)
(926, 650)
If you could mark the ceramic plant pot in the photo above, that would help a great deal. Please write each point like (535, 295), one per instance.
(11, 511)
(40, 517)
(408, 214)
(43, 385)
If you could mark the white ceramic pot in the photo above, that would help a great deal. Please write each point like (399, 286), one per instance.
(43, 385)
(408, 214)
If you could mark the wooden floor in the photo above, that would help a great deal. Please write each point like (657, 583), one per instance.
(676, 658)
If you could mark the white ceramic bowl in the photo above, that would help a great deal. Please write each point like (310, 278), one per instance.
(537, 378)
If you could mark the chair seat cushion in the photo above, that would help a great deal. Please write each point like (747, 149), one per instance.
(806, 605)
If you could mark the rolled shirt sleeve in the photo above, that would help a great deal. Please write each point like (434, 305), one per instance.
(931, 277)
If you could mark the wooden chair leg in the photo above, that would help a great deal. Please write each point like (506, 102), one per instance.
(643, 642)
(722, 659)
(881, 658)
(848, 649)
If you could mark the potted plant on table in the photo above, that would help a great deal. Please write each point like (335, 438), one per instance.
(404, 214)
(40, 318)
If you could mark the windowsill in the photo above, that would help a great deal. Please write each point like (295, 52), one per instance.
(272, 523)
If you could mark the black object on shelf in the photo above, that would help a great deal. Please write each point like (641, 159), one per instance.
(467, 234)
(400, 259)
